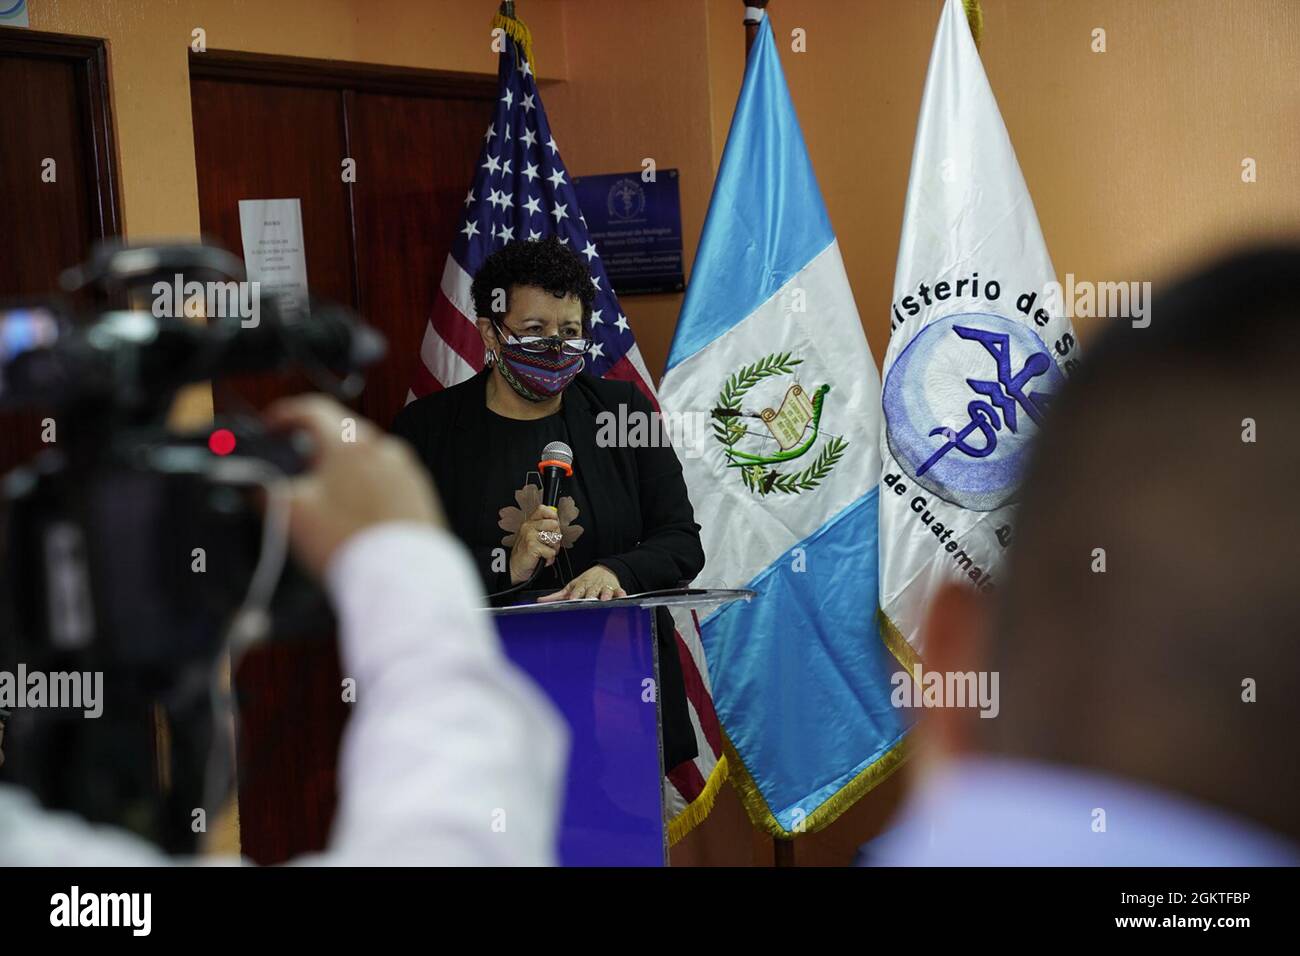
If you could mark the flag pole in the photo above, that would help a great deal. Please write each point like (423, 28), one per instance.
(753, 17)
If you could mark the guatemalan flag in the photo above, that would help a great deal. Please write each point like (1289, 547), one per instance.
(522, 191)
(978, 345)
(785, 485)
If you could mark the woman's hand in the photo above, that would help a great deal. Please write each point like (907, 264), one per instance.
(596, 582)
(538, 539)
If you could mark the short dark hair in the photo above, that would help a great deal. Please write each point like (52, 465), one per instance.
(1149, 454)
(540, 263)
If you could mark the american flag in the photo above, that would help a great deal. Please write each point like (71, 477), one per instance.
(522, 191)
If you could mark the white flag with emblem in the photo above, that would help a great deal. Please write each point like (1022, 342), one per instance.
(977, 345)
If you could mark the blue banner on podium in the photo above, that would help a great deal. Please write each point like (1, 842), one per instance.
(598, 662)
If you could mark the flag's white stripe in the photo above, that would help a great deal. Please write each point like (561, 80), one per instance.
(443, 361)
(633, 355)
(685, 625)
(456, 285)
(827, 336)
(675, 800)
(705, 761)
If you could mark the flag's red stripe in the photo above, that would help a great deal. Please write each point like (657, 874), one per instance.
(457, 330)
(688, 780)
(425, 382)
(625, 371)
(699, 696)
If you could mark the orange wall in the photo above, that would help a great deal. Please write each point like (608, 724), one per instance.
(638, 88)
(1132, 156)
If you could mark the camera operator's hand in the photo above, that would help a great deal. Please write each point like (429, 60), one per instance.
(352, 485)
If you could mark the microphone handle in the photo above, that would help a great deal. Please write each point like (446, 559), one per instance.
(551, 494)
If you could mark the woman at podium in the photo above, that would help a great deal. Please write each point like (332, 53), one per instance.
(623, 522)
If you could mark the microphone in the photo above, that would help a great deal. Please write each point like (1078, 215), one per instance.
(557, 462)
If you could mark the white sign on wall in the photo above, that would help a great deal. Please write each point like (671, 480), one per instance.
(274, 254)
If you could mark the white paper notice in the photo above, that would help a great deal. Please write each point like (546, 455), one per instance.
(274, 254)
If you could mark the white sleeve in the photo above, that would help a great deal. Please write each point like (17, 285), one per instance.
(451, 757)
(33, 836)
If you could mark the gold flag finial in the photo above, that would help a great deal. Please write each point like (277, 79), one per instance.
(975, 16)
(517, 30)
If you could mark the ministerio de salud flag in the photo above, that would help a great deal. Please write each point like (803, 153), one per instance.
(785, 485)
(522, 192)
(976, 347)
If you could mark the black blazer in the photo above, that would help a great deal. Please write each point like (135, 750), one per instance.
(640, 514)
(637, 505)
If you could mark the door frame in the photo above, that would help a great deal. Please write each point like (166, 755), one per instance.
(341, 74)
(89, 57)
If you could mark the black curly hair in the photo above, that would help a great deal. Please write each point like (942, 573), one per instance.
(541, 263)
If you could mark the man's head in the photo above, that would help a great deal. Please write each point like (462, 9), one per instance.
(1149, 624)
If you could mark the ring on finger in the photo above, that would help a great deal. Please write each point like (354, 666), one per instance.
(550, 537)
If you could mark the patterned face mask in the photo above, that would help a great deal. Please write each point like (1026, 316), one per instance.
(537, 376)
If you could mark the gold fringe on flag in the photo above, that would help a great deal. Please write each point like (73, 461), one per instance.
(870, 777)
(699, 808)
(761, 816)
(897, 643)
(518, 31)
(975, 16)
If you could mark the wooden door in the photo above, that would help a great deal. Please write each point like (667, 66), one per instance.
(58, 191)
(275, 128)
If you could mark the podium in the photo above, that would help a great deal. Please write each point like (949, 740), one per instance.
(598, 662)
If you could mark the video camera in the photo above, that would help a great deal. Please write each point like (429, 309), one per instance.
(137, 552)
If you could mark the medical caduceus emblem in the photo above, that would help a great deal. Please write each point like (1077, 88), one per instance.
(962, 403)
(761, 443)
